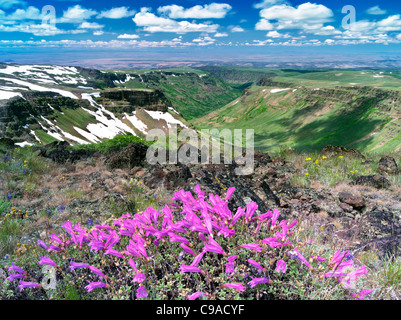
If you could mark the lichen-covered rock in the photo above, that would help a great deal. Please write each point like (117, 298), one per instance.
(376, 181)
(388, 166)
(380, 230)
(132, 156)
(330, 150)
(350, 198)
(332, 208)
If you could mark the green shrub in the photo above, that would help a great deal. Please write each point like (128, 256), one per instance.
(112, 145)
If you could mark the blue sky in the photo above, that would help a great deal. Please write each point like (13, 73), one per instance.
(216, 26)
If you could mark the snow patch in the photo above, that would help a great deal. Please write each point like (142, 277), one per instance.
(36, 87)
(5, 95)
(158, 115)
(278, 90)
(138, 124)
(23, 144)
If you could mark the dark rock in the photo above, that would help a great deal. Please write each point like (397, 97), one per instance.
(262, 158)
(381, 230)
(387, 165)
(279, 161)
(346, 207)
(375, 181)
(178, 177)
(151, 100)
(357, 202)
(58, 152)
(330, 150)
(133, 155)
(7, 142)
(332, 208)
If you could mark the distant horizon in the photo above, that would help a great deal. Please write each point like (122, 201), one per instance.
(137, 60)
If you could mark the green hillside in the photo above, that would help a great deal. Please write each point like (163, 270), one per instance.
(193, 93)
(310, 112)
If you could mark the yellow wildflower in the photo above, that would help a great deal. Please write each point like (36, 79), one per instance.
(340, 157)
(324, 157)
(308, 159)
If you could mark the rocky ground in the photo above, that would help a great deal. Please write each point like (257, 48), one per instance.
(359, 215)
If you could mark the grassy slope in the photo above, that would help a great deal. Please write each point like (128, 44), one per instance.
(194, 93)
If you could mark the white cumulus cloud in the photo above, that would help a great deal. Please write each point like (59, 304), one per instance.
(116, 13)
(128, 36)
(152, 23)
(77, 14)
(305, 16)
(376, 11)
(208, 11)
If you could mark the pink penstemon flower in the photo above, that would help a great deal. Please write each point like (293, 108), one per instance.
(235, 285)
(114, 253)
(16, 268)
(361, 295)
(213, 246)
(19, 275)
(256, 265)
(250, 210)
(197, 259)
(295, 254)
(230, 191)
(177, 238)
(239, 214)
(196, 295)
(141, 292)
(252, 246)
(94, 285)
(184, 268)
(273, 242)
(47, 261)
(78, 265)
(281, 266)
(275, 216)
(265, 216)
(97, 271)
(230, 266)
(24, 284)
(139, 277)
(317, 258)
(187, 249)
(350, 279)
(13, 276)
(255, 281)
(55, 248)
(42, 244)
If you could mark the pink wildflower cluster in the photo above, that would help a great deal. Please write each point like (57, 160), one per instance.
(199, 228)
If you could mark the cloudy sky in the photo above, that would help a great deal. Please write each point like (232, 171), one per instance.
(189, 24)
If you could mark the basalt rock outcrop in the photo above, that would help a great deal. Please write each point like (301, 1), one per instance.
(387, 166)
(58, 152)
(132, 156)
(126, 100)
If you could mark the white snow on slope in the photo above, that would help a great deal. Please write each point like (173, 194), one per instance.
(36, 137)
(136, 122)
(87, 135)
(23, 144)
(278, 90)
(44, 73)
(36, 87)
(166, 117)
(5, 95)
